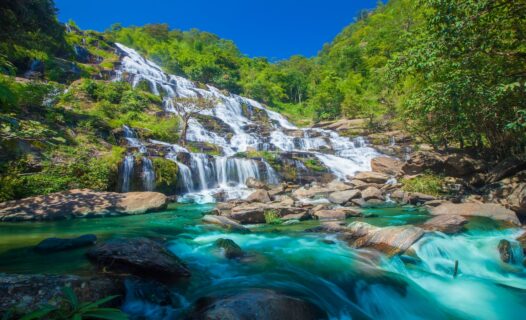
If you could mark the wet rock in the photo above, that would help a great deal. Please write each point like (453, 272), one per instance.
(151, 291)
(336, 214)
(505, 251)
(490, 210)
(341, 197)
(81, 203)
(344, 125)
(259, 195)
(139, 256)
(225, 222)
(261, 304)
(276, 191)
(256, 184)
(248, 214)
(447, 223)
(418, 198)
(390, 240)
(329, 227)
(29, 292)
(372, 177)
(372, 193)
(230, 249)
(434, 203)
(50, 245)
(386, 165)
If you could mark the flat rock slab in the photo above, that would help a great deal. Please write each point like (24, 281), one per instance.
(489, 210)
(447, 224)
(139, 256)
(81, 203)
(390, 240)
(341, 197)
(29, 292)
(225, 222)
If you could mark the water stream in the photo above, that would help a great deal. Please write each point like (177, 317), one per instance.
(345, 282)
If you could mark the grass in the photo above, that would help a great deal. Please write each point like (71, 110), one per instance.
(272, 217)
(427, 183)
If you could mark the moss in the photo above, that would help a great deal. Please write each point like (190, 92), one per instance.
(165, 175)
(272, 217)
(427, 183)
(314, 165)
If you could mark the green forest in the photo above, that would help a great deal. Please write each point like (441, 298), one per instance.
(452, 73)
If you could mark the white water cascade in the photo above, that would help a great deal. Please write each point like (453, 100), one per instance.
(248, 126)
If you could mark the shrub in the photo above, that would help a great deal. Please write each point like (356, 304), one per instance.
(272, 217)
(427, 183)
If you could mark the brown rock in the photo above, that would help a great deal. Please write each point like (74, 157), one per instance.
(81, 203)
(372, 193)
(490, 210)
(447, 223)
(372, 177)
(341, 197)
(259, 195)
(386, 165)
(255, 184)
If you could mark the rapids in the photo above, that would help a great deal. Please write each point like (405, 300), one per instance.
(346, 283)
(248, 126)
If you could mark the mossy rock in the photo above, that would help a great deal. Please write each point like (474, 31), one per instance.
(231, 249)
(165, 175)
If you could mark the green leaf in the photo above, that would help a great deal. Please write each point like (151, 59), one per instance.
(107, 314)
(40, 313)
(71, 297)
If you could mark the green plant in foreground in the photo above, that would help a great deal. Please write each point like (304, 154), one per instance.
(272, 217)
(69, 307)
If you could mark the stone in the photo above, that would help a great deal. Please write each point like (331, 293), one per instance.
(505, 251)
(449, 224)
(372, 177)
(277, 190)
(30, 292)
(81, 203)
(230, 249)
(138, 256)
(329, 227)
(358, 183)
(256, 184)
(225, 222)
(259, 195)
(454, 165)
(489, 210)
(419, 198)
(386, 165)
(390, 240)
(248, 214)
(261, 304)
(50, 245)
(336, 214)
(372, 193)
(341, 197)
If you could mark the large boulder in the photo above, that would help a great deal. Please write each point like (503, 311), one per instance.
(447, 224)
(341, 197)
(248, 214)
(321, 190)
(505, 251)
(27, 293)
(386, 165)
(261, 304)
(454, 165)
(81, 203)
(489, 210)
(50, 245)
(372, 177)
(139, 256)
(390, 240)
(225, 222)
(259, 195)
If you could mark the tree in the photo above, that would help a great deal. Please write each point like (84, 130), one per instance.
(187, 108)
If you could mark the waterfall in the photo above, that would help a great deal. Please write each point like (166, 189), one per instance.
(127, 172)
(248, 125)
(148, 174)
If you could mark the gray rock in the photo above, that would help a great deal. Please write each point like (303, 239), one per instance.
(230, 248)
(447, 223)
(372, 177)
(490, 210)
(372, 193)
(259, 195)
(50, 245)
(341, 197)
(225, 222)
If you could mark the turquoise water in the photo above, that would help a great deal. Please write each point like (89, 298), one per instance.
(346, 283)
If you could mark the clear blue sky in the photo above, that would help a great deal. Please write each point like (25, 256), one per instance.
(273, 28)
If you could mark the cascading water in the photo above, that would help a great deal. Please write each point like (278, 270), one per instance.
(127, 172)
(148, 174)
(251, 127)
